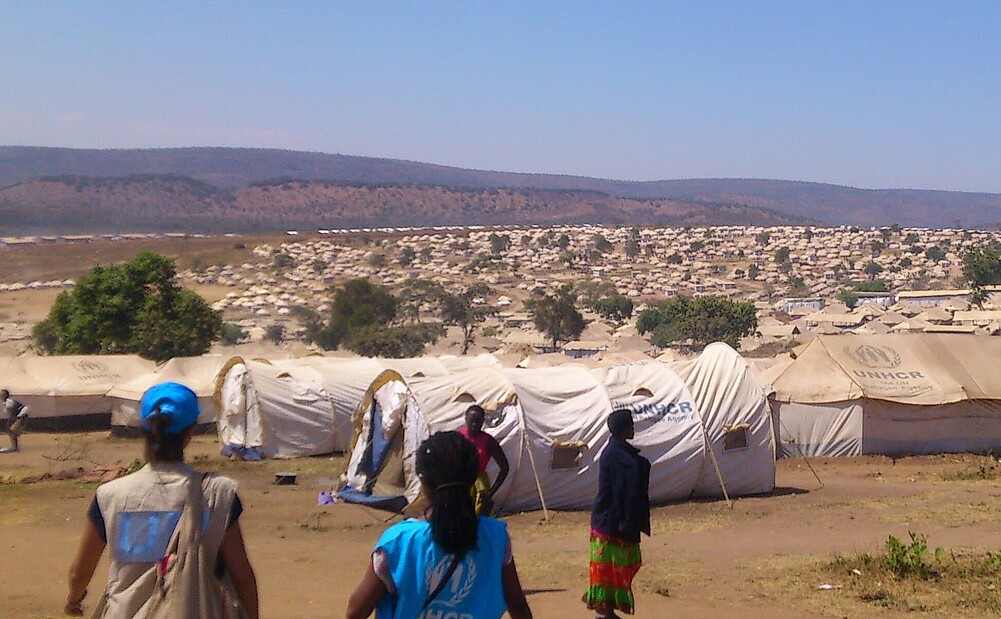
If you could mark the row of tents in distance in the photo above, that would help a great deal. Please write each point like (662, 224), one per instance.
(709, 425)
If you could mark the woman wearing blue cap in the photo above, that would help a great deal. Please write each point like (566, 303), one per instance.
(147, 519)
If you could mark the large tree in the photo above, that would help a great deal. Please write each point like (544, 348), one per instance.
(419, 299)
(981, 267)
(557, 315)
(695, 322)
(462, 311)
(136, 307)
(614, 307)
(357, 304)
(363, 318)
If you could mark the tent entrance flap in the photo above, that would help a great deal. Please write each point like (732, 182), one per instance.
(382, 464)
(383, 460)
(389, 503)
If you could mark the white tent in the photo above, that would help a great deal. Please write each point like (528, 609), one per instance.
(890, 394)
(552, 450)
(346, 380)
(197, 373)
(666, 418)
(737, 419)
(318, 395)
(273, 412)
(70, 391)
(551, 424)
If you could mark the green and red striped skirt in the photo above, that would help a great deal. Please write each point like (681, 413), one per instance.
(614, 564)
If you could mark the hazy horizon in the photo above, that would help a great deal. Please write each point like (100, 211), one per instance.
(689, 178)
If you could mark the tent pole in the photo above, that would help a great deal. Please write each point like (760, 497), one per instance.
(801, 454)
(535, 473)
(719, 474)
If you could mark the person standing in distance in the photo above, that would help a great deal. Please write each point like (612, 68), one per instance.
(487, 447)
(137, 514)
(17, 415)
(620, 513)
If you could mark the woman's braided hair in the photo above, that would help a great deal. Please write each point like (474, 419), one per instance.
(447, 464)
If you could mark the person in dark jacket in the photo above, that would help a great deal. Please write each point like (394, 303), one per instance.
(620, 513)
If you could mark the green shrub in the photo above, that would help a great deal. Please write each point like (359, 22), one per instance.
(906, 560)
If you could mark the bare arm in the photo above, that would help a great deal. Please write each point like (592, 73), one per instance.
(514, 597)
(82, 569)
(366, 595)
(234, 557)
(498, 454)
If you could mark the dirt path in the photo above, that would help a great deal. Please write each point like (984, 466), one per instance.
(703, 559)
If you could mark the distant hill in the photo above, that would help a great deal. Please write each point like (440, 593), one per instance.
(149, 202)
(233, 169)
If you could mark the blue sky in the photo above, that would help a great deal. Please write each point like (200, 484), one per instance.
(868, 94)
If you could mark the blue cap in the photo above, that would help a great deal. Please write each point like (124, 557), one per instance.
(174, 400)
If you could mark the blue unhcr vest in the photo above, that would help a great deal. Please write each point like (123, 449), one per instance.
(417, 565)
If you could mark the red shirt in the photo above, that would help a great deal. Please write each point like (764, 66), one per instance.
(481, 442)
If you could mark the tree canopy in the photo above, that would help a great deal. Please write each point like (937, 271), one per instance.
(136, 307)
(695, 322)
(363, 318)
(847, 296)
(557, 316)
(981, 267)
(614, 307)
(462, 311)
(499, 243)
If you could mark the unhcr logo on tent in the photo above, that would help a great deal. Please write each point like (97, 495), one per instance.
(94, 371)
(672, 411)
(90, 366)
(881, 372)
(882, 357)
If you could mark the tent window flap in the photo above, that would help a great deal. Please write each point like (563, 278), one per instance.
(567, 455)
(735, 437)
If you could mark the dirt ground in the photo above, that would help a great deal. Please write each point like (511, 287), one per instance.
(756, 560)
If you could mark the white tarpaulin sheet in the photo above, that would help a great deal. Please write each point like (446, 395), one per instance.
(275, 410)
(737, 420)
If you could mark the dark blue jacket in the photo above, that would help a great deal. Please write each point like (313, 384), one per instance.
(622, 505)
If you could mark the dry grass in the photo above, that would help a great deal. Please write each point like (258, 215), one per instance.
(933, 583)
(983, 468)
(45, 262)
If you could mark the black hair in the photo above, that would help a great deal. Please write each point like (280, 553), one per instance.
(4, 393)
(447, 464)
(160, 445)
(476, 408)
(619, 420)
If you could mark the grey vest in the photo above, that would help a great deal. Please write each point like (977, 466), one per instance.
(154, 488)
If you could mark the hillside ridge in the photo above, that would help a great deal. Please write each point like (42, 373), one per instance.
(169, 202)
(233, 169)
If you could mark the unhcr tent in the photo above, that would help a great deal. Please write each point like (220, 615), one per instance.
(69, 392)
(550, 422)
(737, 420)
(197, 373)
(347, 380)
(317, 395)
(890, 394)
(272, 411)
(551, 449)
(666, 417)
